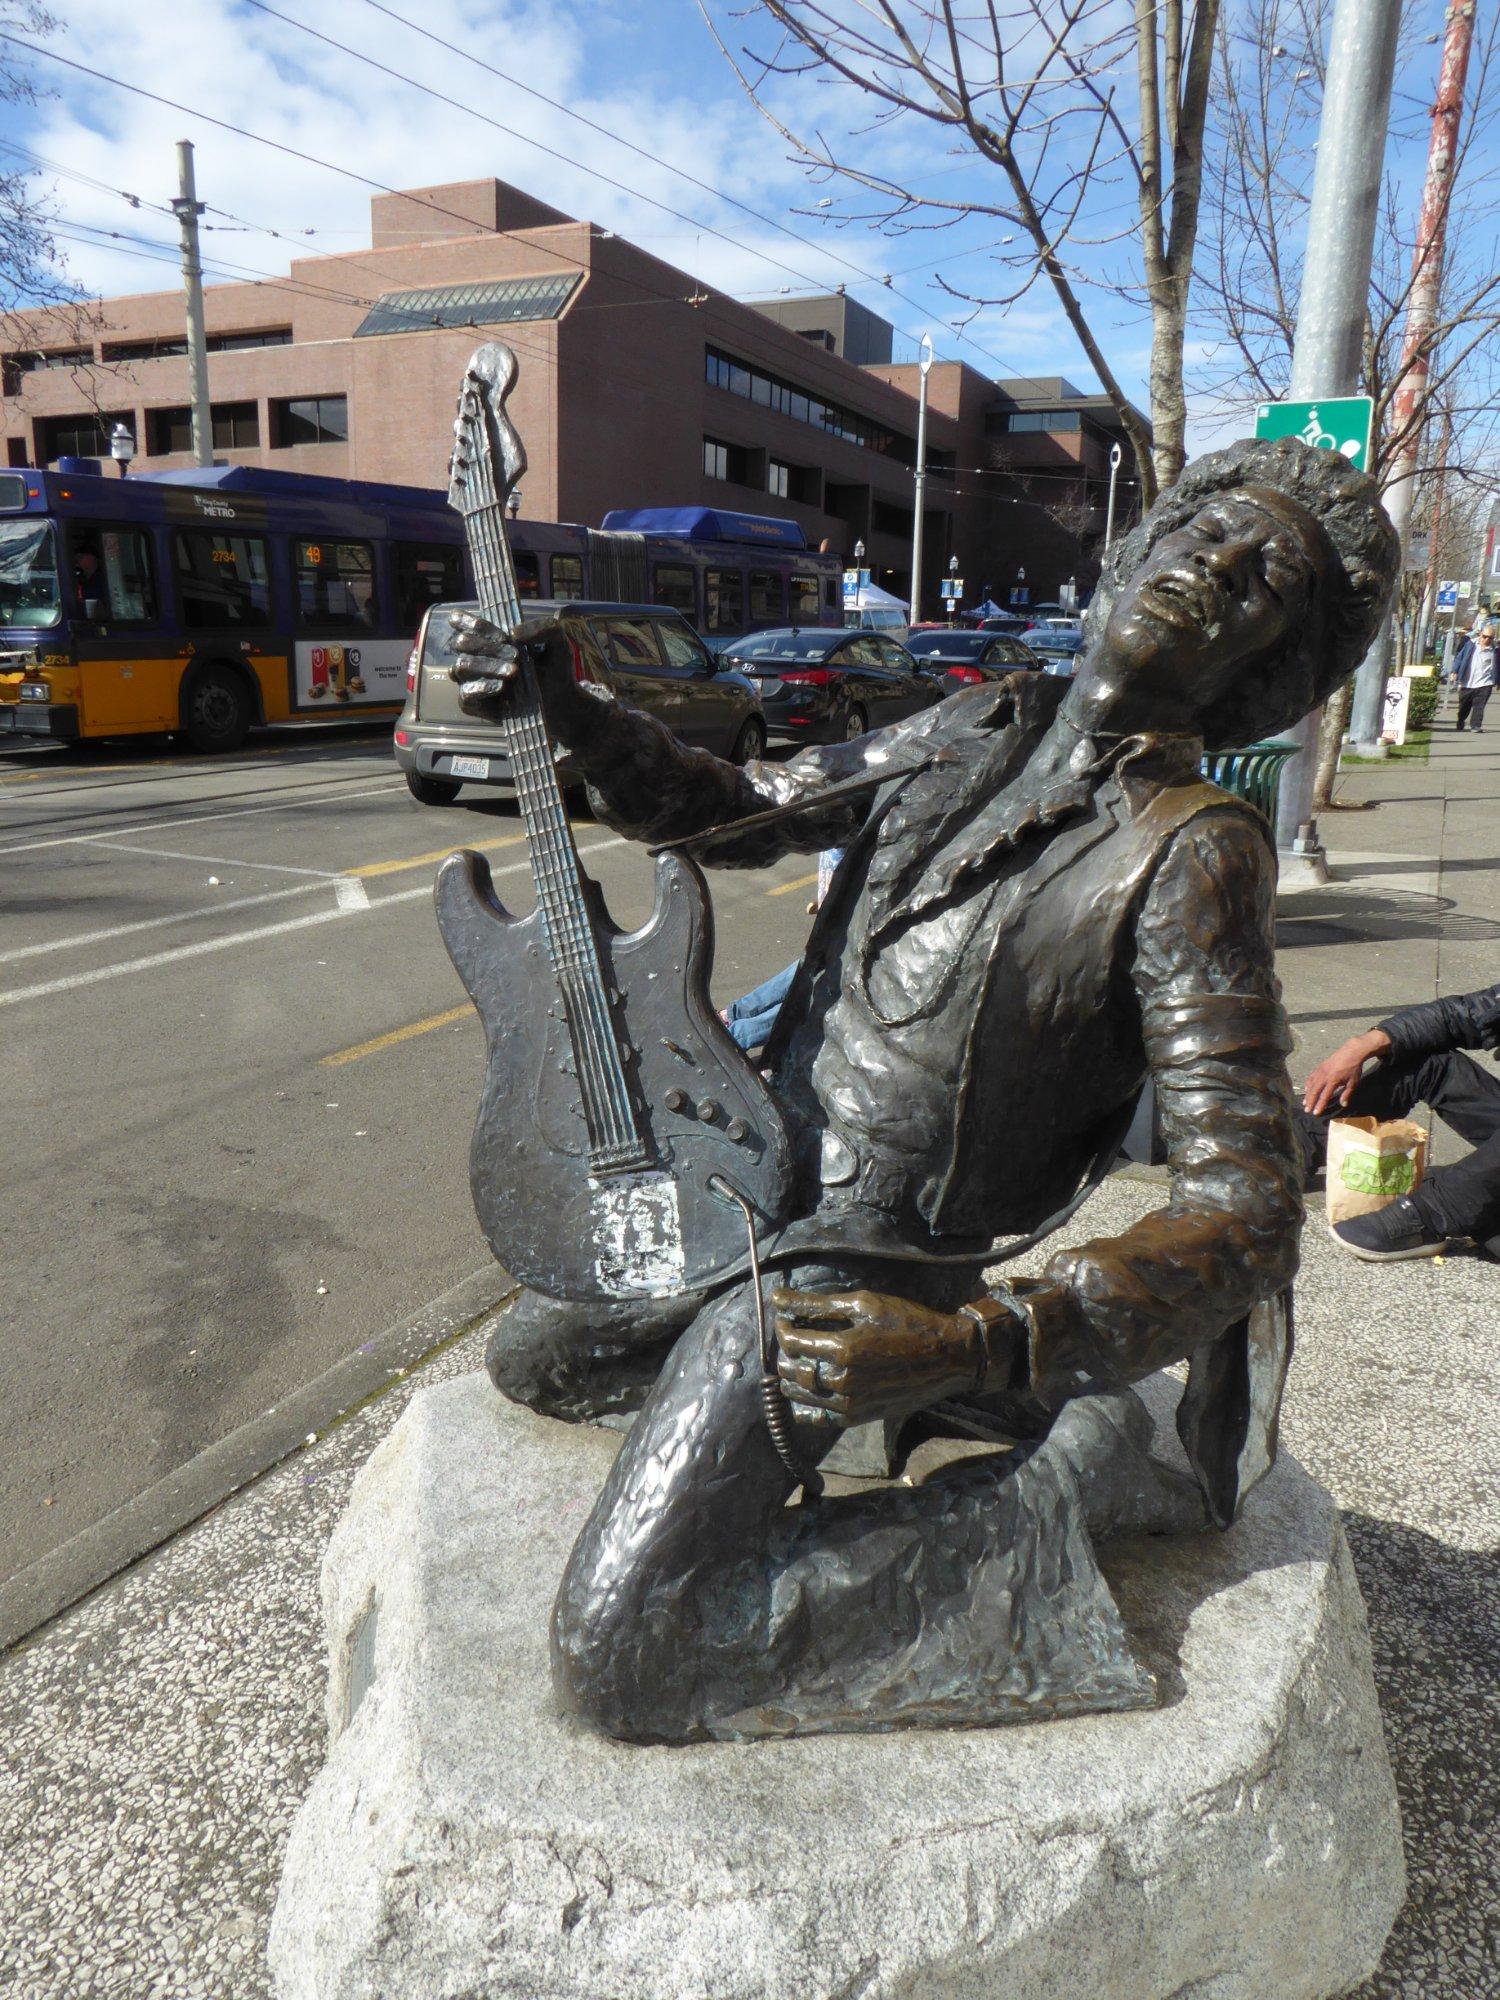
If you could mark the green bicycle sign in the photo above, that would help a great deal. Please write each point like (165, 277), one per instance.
(1328, 423)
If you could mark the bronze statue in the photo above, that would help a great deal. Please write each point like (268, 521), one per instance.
(1041, 907)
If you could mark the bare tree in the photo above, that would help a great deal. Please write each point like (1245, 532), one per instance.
(1070, 101)
(31, 271)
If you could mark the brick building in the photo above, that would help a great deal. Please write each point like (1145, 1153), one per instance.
(638, 387)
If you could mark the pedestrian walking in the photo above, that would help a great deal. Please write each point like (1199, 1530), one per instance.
(1475, 668)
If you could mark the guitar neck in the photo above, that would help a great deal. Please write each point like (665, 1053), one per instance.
(615, 1139)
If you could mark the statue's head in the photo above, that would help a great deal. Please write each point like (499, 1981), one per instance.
(1247, 594)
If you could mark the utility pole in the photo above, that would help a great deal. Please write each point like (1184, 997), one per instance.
(1331, 309)
(187, 208)
(1409, 404)
(915, 611)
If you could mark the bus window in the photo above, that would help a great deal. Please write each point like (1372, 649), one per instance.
(767, 597)
(674, 584)
(223, 580)
(724, 599)
(804, 600)
(112, 574)
(29, 592)
(528, 573)
(567, 577)
(424, 573)
(832, 596)
(335, 585)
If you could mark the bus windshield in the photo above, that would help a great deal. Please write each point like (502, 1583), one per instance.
(29, 593)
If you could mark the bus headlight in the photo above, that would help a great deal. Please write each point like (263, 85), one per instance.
(35, 691)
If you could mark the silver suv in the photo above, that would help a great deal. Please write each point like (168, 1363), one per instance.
(645, 654)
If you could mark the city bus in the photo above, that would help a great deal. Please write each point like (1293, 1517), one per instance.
(199, 603)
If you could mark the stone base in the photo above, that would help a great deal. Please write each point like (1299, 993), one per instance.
(1238, 1841)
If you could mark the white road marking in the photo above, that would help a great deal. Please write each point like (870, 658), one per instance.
(219, 861)
(73, 981)
(332, 795)
(352, 894)
(81, 938)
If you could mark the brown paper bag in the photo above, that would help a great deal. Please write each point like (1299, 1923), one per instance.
(1371, 1163)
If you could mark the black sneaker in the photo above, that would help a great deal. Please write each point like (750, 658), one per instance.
(1390, 1233)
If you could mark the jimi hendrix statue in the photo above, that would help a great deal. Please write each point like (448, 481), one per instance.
(1041, 908)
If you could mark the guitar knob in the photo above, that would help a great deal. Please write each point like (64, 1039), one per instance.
(708, 1111)
(676, 1100)
(737, 1129)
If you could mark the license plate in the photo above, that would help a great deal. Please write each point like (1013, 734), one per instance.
(469, 767)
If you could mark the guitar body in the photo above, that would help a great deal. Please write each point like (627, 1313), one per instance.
(555, 1222)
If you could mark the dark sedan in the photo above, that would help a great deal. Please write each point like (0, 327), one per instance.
(822, 686)
(961, 659)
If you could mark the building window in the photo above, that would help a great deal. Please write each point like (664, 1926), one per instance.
(725, 461)
(335, 585)
(78, 437)
(1042, 420)
(236, 427)
(234, 343)
(222, 580)
(767, 597)
(778, 479)
(724, 599)
(424, 573)
(310, 420)
(17, 365)
(721, 371)
(567, 576)
(673, 584)
(140, 350)
(112, 573)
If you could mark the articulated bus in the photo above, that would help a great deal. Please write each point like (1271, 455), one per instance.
(202, 602)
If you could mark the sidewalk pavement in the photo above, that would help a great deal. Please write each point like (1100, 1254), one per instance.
(159, 1737)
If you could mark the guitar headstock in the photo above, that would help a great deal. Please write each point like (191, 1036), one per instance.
(488, 456)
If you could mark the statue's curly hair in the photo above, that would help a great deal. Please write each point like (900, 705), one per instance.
(1332, 642)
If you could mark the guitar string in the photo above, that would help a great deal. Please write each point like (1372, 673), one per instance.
(576, 963)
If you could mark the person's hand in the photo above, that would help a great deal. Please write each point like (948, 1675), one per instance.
(851, 1357)
(489, 660)
(1332, 1082)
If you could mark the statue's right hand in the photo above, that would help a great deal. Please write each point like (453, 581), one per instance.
(489, 660)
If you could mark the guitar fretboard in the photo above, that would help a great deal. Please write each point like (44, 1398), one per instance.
(616, 1142)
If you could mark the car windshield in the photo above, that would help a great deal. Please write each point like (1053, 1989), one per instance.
(786, 645)
(951, 645)
(30, 594)
(1053, 642)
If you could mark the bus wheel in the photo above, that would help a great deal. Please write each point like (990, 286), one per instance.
(216, 714)
(431, 791)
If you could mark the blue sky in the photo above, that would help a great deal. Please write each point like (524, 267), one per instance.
(646, 69)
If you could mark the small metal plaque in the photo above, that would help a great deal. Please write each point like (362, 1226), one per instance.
(361, 1662)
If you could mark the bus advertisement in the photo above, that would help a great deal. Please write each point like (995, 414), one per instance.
(200, 603)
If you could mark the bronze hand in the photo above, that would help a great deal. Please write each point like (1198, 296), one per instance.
(488, 660)
(852, 1357)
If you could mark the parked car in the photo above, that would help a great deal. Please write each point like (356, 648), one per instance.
(1057, 647)
(829, 687)
(646, 654)
(959, 659)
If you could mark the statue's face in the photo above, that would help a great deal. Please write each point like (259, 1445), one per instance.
(1217, 595)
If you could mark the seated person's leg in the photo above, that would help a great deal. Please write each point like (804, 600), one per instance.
(578, 1361)
(1463, 1094)
(751, 1018)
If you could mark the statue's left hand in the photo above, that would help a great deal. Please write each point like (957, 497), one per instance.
(851, 1357)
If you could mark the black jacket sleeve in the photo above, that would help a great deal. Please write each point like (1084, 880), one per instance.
(1459, 1021)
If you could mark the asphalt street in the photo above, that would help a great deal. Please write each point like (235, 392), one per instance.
(237, 1080)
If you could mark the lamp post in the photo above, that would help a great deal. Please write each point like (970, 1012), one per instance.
(1115, 455)
(953, 594)
(1018, 589)
(513, 504)
(916, 519)
(121, 448)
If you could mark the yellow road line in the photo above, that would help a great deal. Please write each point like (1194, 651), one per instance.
(786, 888)
(438, 854)
(20, 778)
(396, 1035)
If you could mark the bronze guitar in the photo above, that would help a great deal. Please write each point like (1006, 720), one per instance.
(613, 1093)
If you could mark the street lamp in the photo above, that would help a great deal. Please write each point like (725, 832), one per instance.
(915, 611)
(513, 504)
(1115, 455)
(859, 555)
(953, 594)
(121, 448)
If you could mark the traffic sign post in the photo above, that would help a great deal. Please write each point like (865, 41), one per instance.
(1328, 423)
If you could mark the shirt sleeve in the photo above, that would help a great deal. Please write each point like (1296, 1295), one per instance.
(1457, 1021)
(1119, 1308)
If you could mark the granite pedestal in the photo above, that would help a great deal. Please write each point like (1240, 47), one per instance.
(1237, 1841)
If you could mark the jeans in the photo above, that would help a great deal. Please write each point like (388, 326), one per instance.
(751, 1018)
(1461, 1200)
(1473, 701)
